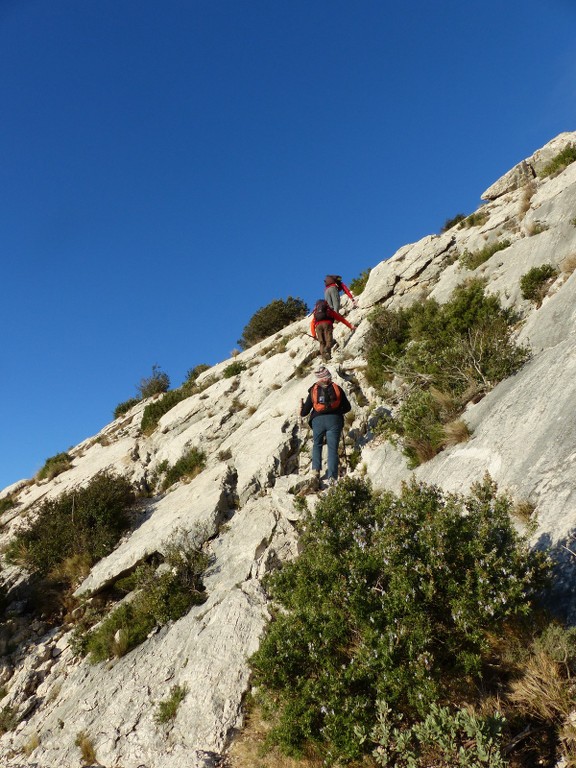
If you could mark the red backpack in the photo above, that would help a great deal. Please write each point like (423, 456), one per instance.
(321, 310)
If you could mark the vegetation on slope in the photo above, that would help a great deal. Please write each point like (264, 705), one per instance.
(411, 615)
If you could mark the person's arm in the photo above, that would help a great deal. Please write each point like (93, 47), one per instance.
(339, 319)
(348, 293)
(306, 407)
(313, 327)
(344, 403)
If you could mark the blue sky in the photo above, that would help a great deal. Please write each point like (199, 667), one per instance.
(168, 168)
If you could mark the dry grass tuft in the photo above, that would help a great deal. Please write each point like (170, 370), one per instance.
(568, 264)
(455, 432)
(543, 691)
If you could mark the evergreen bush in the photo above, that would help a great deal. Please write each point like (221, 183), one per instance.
(154, 411)
(394, 599)
(271, 319)
(561, 161)
(458, 349)
(85, 522)
(124, 407)
(54, 466)
(534, 284)
(359, 283)
(189, 465)
(472, 260)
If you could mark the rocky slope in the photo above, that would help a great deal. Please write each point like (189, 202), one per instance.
(242, 504)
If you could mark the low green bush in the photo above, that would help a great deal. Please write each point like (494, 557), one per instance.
(476, 219)
(155, 384)
(233, 369)
(160, 595)
(459, 349)
(54, 466)
(472, 260)
(154, 411)
(188, 466)
(444, 739)
(392, 599)
(85, 522)
(561, 161)
(124, 407)
(535, 282)
(7, 503)
(449, 223)
(168, 708)
(271, 319)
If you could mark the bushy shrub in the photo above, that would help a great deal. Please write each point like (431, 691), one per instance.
(459, 349)
(188, 466)
(476, 219)
(271, 319)
(561, 161)
(472, 260)
(155, 384)
(54, 466)
(7, 503)
(193, 374)
(161, 595)
(154, 411)
(395, 599)
(449, 223)
(534, 284)
(124, 407)
(87, 521)
(359, 283)
(233, 369)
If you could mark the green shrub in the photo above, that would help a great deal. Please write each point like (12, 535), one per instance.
(7, 503)
(474, 259)
(359, 283)
(448, 354)
(189, 465)
(55, 465)
(193, 374)
(8, 719)
(449, 223)
(271, 319)
(155, 384)
(154, 411)
(476, 219)
(395, 599)
(561, 161)
(85, 522)
(535, 282)
(444, 739)
(233, 369)
(168, 708)
(462, 346)
(161, 595)
(124, 407)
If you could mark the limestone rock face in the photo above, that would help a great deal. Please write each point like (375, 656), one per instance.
(241, 508)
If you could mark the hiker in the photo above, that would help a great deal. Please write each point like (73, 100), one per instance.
(333, 286)
(326, 403)
(322, 327)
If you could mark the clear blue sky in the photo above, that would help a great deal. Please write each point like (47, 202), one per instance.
(168, 168)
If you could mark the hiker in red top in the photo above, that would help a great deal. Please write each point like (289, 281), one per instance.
(322, 324)
(333, 286)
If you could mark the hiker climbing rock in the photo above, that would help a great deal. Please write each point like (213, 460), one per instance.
(322, 327)
(333, 285)
(326, 403)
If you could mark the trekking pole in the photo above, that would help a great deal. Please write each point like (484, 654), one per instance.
(345, 455)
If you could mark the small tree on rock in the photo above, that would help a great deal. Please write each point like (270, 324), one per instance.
(272, 318)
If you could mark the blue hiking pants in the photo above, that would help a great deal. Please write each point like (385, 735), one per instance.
(327, 425)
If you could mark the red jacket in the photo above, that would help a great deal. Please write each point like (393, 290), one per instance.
(332, 316)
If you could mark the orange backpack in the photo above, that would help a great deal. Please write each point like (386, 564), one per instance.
(324, 402)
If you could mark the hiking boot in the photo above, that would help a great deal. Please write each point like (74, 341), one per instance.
(315, 481)
(331, 482)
